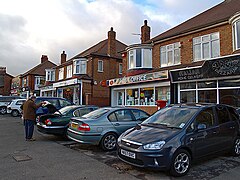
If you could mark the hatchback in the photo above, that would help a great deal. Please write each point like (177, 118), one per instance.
(103, 126)
(176, 135)
(14, 108)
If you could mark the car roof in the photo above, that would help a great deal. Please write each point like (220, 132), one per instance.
(198, 105)
(81, 106)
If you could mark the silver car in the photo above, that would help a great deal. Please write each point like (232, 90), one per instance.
(103, 126)
(14, 107)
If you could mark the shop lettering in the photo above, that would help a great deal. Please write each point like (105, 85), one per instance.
(137, 78)
(190, 74)
(225, 67)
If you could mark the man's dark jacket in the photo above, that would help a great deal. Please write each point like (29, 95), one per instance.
(29, 110)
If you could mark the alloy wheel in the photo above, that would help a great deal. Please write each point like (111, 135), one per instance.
(237, 147)
(109, 142)
(3, 110)
(14, 113)
(181, 163)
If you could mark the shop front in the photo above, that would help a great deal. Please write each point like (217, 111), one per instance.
(142, 91)
(216, 81)
(48, 91)
(70, 89)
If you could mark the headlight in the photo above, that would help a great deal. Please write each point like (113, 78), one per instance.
(154, 146)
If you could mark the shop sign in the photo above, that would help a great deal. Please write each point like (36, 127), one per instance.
(47, 88)
(228, 66)
(139, 78)
(65, 83)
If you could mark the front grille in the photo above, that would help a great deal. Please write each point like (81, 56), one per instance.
(130, 160)
(129, 144)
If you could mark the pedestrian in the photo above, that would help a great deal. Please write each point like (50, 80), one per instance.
(29, 116)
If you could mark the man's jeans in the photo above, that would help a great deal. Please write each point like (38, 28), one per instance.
(29, 127)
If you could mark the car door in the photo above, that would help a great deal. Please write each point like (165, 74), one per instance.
(122, 120)
(203, 141)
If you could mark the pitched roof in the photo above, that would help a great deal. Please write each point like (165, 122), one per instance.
(217, 14)
(40, 68)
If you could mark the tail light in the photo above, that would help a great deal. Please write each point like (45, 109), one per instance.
(48, 122)
(84, 127)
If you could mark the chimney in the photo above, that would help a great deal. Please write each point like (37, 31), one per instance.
(63, 57)
(111, 42)
(44, 58)
(145, 32)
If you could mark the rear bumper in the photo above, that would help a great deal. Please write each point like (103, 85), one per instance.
(58, 130)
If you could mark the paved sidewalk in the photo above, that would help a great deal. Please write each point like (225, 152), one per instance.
(45, 159)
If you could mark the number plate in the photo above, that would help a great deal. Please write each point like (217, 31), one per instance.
(128, 154)
(74, 125)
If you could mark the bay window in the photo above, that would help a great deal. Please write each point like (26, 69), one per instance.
(170, 54)
(80, 66)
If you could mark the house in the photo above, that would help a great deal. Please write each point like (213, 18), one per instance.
(79, 79)
(196, 61)
(31, 80)
(5, 82)
(15, 86)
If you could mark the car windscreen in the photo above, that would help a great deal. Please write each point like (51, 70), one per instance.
(95, 114)
(64, 110)
(173, 117)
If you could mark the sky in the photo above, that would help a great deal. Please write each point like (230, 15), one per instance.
(32, 28)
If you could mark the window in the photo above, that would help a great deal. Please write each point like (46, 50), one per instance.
(236, 34)
(120, 68)
(50, 75)
(100, 66)
(132, 97)
(80, 112)
(140, 58)
(140, 115)
(64, 103)
(69, 71)
(20, 102)
(123, 115)
(233, 114)
(60, 73)
(162, 93)
(205, 117)
(147, 96)
(170, 54)
(222, 114)
(80, 66)
(207, 46)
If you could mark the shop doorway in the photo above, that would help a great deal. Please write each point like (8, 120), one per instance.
(120, 98)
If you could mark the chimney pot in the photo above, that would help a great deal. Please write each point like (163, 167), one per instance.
(44, 58)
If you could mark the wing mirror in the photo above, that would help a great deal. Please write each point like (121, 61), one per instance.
(201, 126)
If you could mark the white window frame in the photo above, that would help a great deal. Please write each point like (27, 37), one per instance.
(61, 73)
(170, 48)
(132, 58)
(202, 42)
(236, 36)
(69, 71)
(50, 75)
(100, 65)
(120, 68)
(82, 66)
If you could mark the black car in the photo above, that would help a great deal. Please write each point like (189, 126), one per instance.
(176, 135)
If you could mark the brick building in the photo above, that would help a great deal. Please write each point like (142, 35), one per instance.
(79, 78)
(196, 61)
(31, 80)
(5, 82)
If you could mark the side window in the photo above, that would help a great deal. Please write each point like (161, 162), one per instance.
(76, 113)
(54, 102)
(124, 115)
(64, 103)
(83, 111)
(139, 115)
(19, 102)
(112, 117)
(222, 114)
(205, 117)
(233, 114)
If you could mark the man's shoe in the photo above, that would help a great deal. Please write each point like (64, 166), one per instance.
(32, 139)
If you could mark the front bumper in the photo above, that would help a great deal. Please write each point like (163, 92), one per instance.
(56, 130)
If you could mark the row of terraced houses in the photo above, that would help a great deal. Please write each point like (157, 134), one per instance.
(196, 61)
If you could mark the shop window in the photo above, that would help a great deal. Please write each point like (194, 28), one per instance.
(236, 34)
(188, 96)
(132, 97)
(230, 97)
(162, 93)
(229, 83)
(170, 54)
(60, 73)
(207, 96)
(100, 66)
(69, 71)
(207, 46)
(50, 75)
(80, 66)
(147, 96)
(207, 84)
(140, 58)
(191, 85)
(120, 68)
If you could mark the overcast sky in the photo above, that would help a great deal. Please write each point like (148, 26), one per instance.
(32, 28)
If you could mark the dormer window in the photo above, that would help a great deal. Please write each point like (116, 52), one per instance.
(170, 54)
(139, 57)
(80, 66)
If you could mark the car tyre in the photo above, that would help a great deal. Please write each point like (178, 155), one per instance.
(3, 110)
(14, 113)
(109, 142)
(236, 147)
(181, 163)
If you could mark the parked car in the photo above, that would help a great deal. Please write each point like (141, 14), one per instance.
(14, 107)
(103, 126)
(177, 135)
(57, 123)
(5, 101)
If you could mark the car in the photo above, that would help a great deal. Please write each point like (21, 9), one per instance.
(14, 107)
(103, 126)
(5, 101)
(57, 123)
(178, 134)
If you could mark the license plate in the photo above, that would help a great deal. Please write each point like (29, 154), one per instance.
(128, 154)
(74, 125)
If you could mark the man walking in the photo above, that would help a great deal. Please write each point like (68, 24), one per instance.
(29, 116)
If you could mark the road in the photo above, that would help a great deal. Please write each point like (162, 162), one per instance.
(52, 157)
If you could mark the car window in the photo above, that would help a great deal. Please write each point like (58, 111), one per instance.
(64, 103)
(54, 102)
(124, 115)
(222, 114)
(81, 111)
(96, 114)
(233, 114)
(139, 115)
(112, 117)
(205, 117)
(19, 102)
